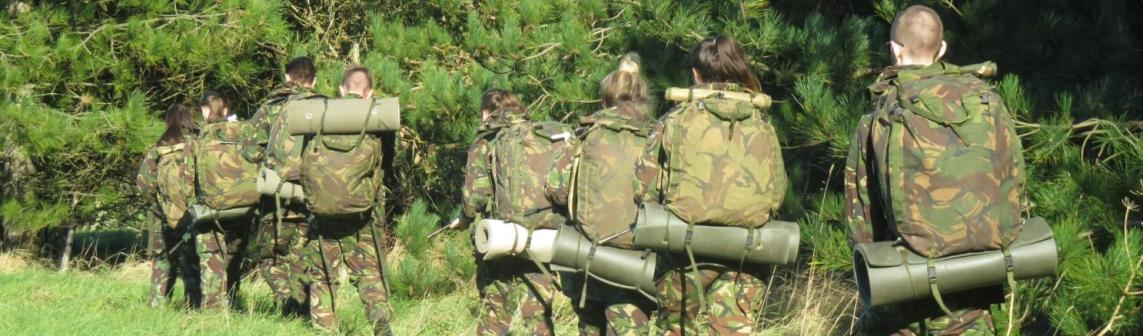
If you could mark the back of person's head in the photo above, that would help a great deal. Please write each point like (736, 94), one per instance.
(919, 34)
(213, 107)
(499, 103)
(625, 89)
(180, 122)
(720, 59)
(356, 80)
(301, 71)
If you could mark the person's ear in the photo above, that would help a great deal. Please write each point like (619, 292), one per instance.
(288, 78)
(225, 111)
(313, 82)
(944, 48)
(205, 113)
(368, 93)
(697, 77)
(898, 52)
(484, 115)
(341, 89)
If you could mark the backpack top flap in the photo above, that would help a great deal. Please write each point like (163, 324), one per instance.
(522, 153)
(942, 93)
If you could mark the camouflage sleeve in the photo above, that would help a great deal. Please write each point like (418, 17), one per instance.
(257, 135)
(477, 191)
(148, 170)
(558, 185)
(857, 206)
(648, 169)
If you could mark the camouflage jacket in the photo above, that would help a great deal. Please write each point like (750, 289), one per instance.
(936, 162)
(263, 121)
(477, 193)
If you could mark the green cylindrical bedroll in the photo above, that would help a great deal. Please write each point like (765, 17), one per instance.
(759, 100)
(889, 273)
(775, 243)
(618, 267)
(270, 184)
(343, 115)
(200, 213)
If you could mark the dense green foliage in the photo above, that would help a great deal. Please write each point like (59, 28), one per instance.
(82, 84)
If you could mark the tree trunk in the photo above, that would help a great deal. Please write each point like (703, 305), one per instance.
(65, 257)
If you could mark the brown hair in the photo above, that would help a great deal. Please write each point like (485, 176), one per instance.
(214, 103)
(180, 122)
(919, 30)
(500, 100)
(356, 79)
(720, 59)
(624, 88)
(301, 70)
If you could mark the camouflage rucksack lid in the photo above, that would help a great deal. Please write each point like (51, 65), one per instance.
(225, 179)
(949, 159)
(174, 182)
(723, 163)
(341, 174)
(283, 150)
(603, 169)
(522, 154)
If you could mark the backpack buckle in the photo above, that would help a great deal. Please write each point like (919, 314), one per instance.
(932, 275)
(701, 105)
(985, 97)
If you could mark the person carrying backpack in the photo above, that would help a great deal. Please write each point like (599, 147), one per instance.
(591, 183)
(713, 161)
(282, 225)
(343, 180)
(937, 167)
(507, 167)
(224, 180)
(166, 182)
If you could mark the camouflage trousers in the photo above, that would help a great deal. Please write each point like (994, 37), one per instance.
(218, 263)
(326, 253)
(607, 310)
(165, 245)
(513, 289)
(926, 318)
(733, 300)
(278, 253)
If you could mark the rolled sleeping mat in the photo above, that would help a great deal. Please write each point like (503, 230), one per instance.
(268, 184)
(202, 214)
(623, 268)
(889, 273)
(497, 239)
(775, 243)
(343, 115)
(759, 100)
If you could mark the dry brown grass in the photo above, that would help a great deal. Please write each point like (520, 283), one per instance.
(806, 301)
(15, 261)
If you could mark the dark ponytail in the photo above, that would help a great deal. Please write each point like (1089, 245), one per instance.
(720, 59)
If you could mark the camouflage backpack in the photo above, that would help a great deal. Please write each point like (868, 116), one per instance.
(341, 174)
(722, 162)
(225, 179)
(522, 154)
(284, 150)
(173, 182)
(600, 190)
(948, 159)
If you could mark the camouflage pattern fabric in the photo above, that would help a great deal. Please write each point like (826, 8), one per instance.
(476, 195)
(225, 179)
(217, 262)
(268, 141)
(937, 163)
(277, 251)
(515, 298)
(733, 301)
(167, 180)
(714, 162)
(326, 253)
(164, 245)
(607, 310)
(592, 180)
(521, 157)
(342, 174)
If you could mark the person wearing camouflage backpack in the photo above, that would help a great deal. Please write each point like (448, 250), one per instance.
(342, 176)
(224, 180)
(166, 182)
(591, 183)
(938, 167)
(282, 226)
(505, 140)
(714, 161)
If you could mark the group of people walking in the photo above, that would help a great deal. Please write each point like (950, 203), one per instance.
(713, 160)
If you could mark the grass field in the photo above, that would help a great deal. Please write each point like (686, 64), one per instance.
(35, 300)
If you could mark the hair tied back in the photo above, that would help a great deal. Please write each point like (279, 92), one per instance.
(629, 63)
